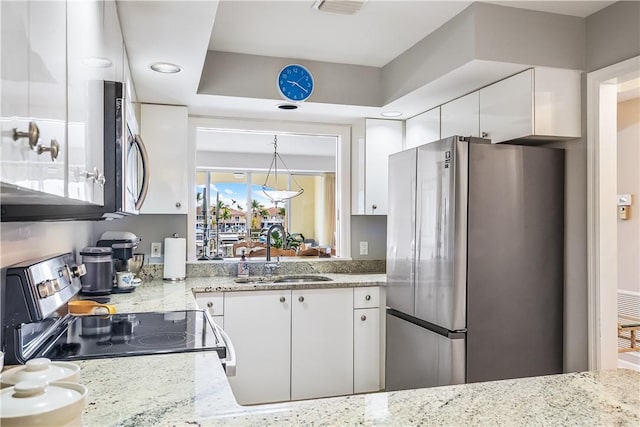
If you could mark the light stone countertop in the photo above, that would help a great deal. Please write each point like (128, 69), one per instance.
(192, 389)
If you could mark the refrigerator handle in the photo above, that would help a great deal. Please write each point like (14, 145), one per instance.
(416, 242)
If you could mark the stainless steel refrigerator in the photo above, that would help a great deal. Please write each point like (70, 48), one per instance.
(475, 255)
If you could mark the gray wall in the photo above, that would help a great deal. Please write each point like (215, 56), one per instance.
(370, 228)
(150, 228)
(613, 35)
(254, 76)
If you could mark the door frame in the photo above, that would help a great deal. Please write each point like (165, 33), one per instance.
(602, 249)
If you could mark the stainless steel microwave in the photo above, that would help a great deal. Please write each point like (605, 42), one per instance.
(124, 182)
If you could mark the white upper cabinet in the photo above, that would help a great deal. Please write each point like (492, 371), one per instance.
(34, 95)
(541, 104)
(382, 138)
(461, 116)
(87, 68)
(164, 129)
(423, 128)
(15, 92)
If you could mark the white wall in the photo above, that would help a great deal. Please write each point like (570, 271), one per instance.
(629, 183)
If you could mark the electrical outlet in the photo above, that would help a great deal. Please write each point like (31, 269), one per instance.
(364, 248)
(156, 250)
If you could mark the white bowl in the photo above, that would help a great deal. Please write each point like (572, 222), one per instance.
(41, 404)
(41, 369)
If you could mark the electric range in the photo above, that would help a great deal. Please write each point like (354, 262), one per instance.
(37, 322)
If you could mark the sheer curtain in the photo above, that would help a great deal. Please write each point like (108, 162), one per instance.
(329, 199)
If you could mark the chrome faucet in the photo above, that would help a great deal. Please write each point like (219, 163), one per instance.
(284, 238)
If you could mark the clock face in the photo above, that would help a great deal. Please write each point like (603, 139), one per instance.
(295, 83)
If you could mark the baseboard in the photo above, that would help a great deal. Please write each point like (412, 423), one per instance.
(628, 362)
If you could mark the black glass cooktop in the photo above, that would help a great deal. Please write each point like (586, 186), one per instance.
(134, 334)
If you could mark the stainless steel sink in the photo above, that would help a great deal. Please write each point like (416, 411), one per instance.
(302, 279)
(253, 280)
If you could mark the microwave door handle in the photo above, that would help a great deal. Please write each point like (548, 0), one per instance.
(145, 171)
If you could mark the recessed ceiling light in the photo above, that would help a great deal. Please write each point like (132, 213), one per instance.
(238, 175)
(391, 114)
(287, 106)
(165, 67)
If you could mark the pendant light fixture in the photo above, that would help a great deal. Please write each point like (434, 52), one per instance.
(275, 195)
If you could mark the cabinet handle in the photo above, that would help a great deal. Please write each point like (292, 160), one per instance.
(374, 207)
(33, 134)
(363, 317)
(301, 299)
(484, 134)
(282, 299)
(95, 176)
(210, 304)
(368, 298)
(178, 204)
(54, 149)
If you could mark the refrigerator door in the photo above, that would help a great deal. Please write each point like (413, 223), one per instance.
(418, 357)
(440, 275)
(516, 256)
(401, 231)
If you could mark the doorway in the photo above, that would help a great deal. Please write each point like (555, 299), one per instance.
(603, 88)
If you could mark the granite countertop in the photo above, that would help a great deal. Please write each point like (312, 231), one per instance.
(159, 295)
(192, 389)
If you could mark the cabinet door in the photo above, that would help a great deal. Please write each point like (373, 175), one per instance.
(14, 102)
(259, 325)
(86, 67)
(113, 42)
(366, 350)
(321, 343)
(423, 128)
(382, 138)
(460, 116)
(506, 108)
(164, 129)
(48, 93)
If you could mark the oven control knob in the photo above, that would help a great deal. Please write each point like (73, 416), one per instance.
(55, 285)
(45, 289)
(78, 270)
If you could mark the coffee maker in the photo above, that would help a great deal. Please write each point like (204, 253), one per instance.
(123, 244)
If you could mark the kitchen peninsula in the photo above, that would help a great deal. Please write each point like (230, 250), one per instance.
(191, 388)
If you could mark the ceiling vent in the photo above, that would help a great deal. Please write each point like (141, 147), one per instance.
(344, 7)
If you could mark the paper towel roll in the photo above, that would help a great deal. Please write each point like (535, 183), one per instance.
(175, 257)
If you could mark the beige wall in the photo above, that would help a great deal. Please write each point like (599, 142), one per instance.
(629, 183)
(303, 216)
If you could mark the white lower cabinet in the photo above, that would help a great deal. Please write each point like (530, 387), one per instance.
(301, 344)
(321, 343)
(366, 350)
(259, 325)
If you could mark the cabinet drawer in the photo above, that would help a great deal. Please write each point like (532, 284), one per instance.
(366, 297)
(211, 301)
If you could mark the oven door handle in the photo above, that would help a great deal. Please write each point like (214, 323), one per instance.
(230, 360)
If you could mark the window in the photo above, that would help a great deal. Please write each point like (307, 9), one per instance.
(238, 210)
(240, 151)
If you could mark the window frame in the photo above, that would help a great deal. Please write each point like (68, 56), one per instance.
(342, 133)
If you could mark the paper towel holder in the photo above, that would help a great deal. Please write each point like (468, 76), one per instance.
(174, 269)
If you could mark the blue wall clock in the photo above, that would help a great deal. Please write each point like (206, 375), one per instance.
(295, 83)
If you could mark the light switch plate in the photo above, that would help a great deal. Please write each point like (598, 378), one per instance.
(156, 250)
(364, 248)
(624, 199)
